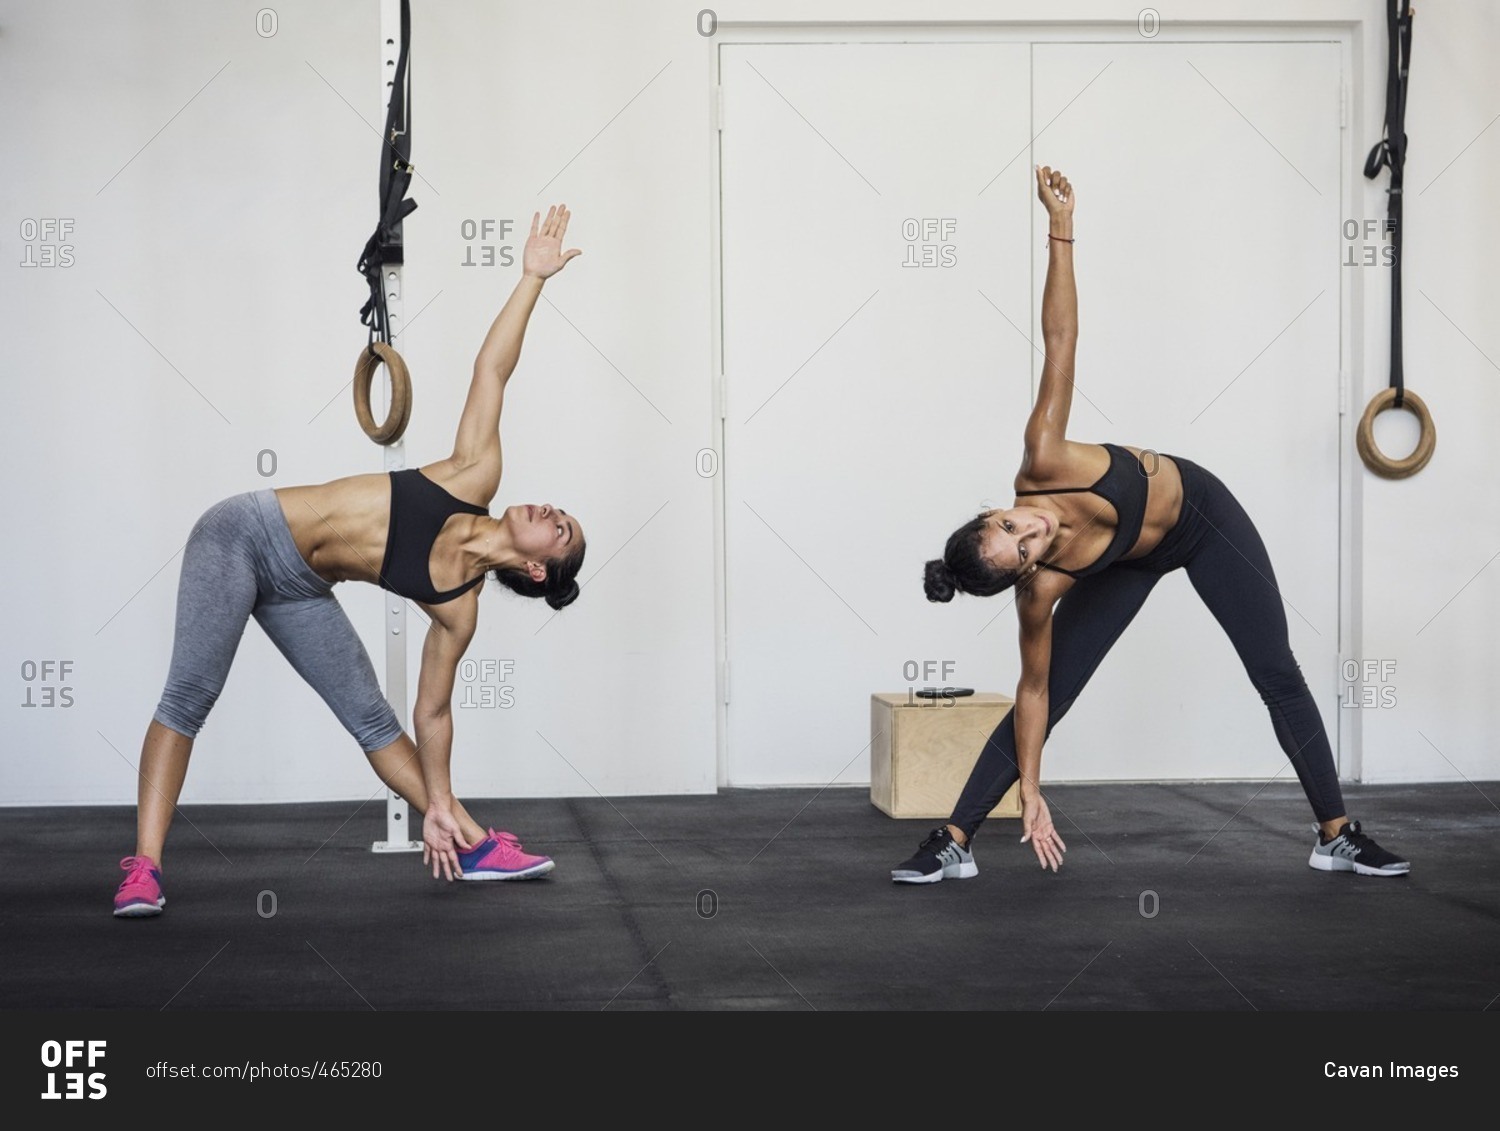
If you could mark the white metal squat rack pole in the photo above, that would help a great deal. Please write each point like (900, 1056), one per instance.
(398, 835)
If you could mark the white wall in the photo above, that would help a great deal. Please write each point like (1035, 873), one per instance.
(1429, 603)
(221, 188)
(230, 244)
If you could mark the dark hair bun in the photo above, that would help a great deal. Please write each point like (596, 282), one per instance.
(939, 581)
(560, 601)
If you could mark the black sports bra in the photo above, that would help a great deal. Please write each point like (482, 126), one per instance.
(1124, 487)
(419, 507)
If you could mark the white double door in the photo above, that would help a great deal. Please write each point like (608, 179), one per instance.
(883, 256)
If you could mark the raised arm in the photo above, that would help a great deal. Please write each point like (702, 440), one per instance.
(1046, 430)
(478, 439)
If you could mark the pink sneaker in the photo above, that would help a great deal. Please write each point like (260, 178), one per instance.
(499, 857)
(139, 893)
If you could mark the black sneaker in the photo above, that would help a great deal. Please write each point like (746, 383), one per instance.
(1352, 851)
(939, 857)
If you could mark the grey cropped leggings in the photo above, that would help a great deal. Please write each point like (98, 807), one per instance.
(241, 561)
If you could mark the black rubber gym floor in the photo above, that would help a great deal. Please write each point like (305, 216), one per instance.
(1193, 897)
(1184, 942)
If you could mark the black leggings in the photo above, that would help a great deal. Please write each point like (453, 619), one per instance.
(1226, 561)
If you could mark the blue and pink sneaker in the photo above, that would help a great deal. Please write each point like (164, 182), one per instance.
(499, 857)
(139, 893)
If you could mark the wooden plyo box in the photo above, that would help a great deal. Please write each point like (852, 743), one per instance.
(921, 751)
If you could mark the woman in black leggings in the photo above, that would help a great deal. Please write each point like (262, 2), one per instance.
(1095, 552)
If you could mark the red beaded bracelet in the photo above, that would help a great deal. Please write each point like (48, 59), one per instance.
(1059, 239)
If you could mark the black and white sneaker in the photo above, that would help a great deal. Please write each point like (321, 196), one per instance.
(1353, 851)
(939, 857)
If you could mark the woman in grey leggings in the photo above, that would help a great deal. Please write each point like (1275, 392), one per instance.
(423, 533)
(1108, 523)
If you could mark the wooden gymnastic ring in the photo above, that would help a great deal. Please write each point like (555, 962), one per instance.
(1364, 436)
(370, 359)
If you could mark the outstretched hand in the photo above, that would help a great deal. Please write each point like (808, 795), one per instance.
(442, 841)
(1054, 191)
(1036, 825)
(543, 255)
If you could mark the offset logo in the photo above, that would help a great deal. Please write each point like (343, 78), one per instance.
(44, 242)
(486, 683)
(75, 1083)
(483, 231)
(929, 242)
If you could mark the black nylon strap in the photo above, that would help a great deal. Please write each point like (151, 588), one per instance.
(1390, 153)
(384, 246)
